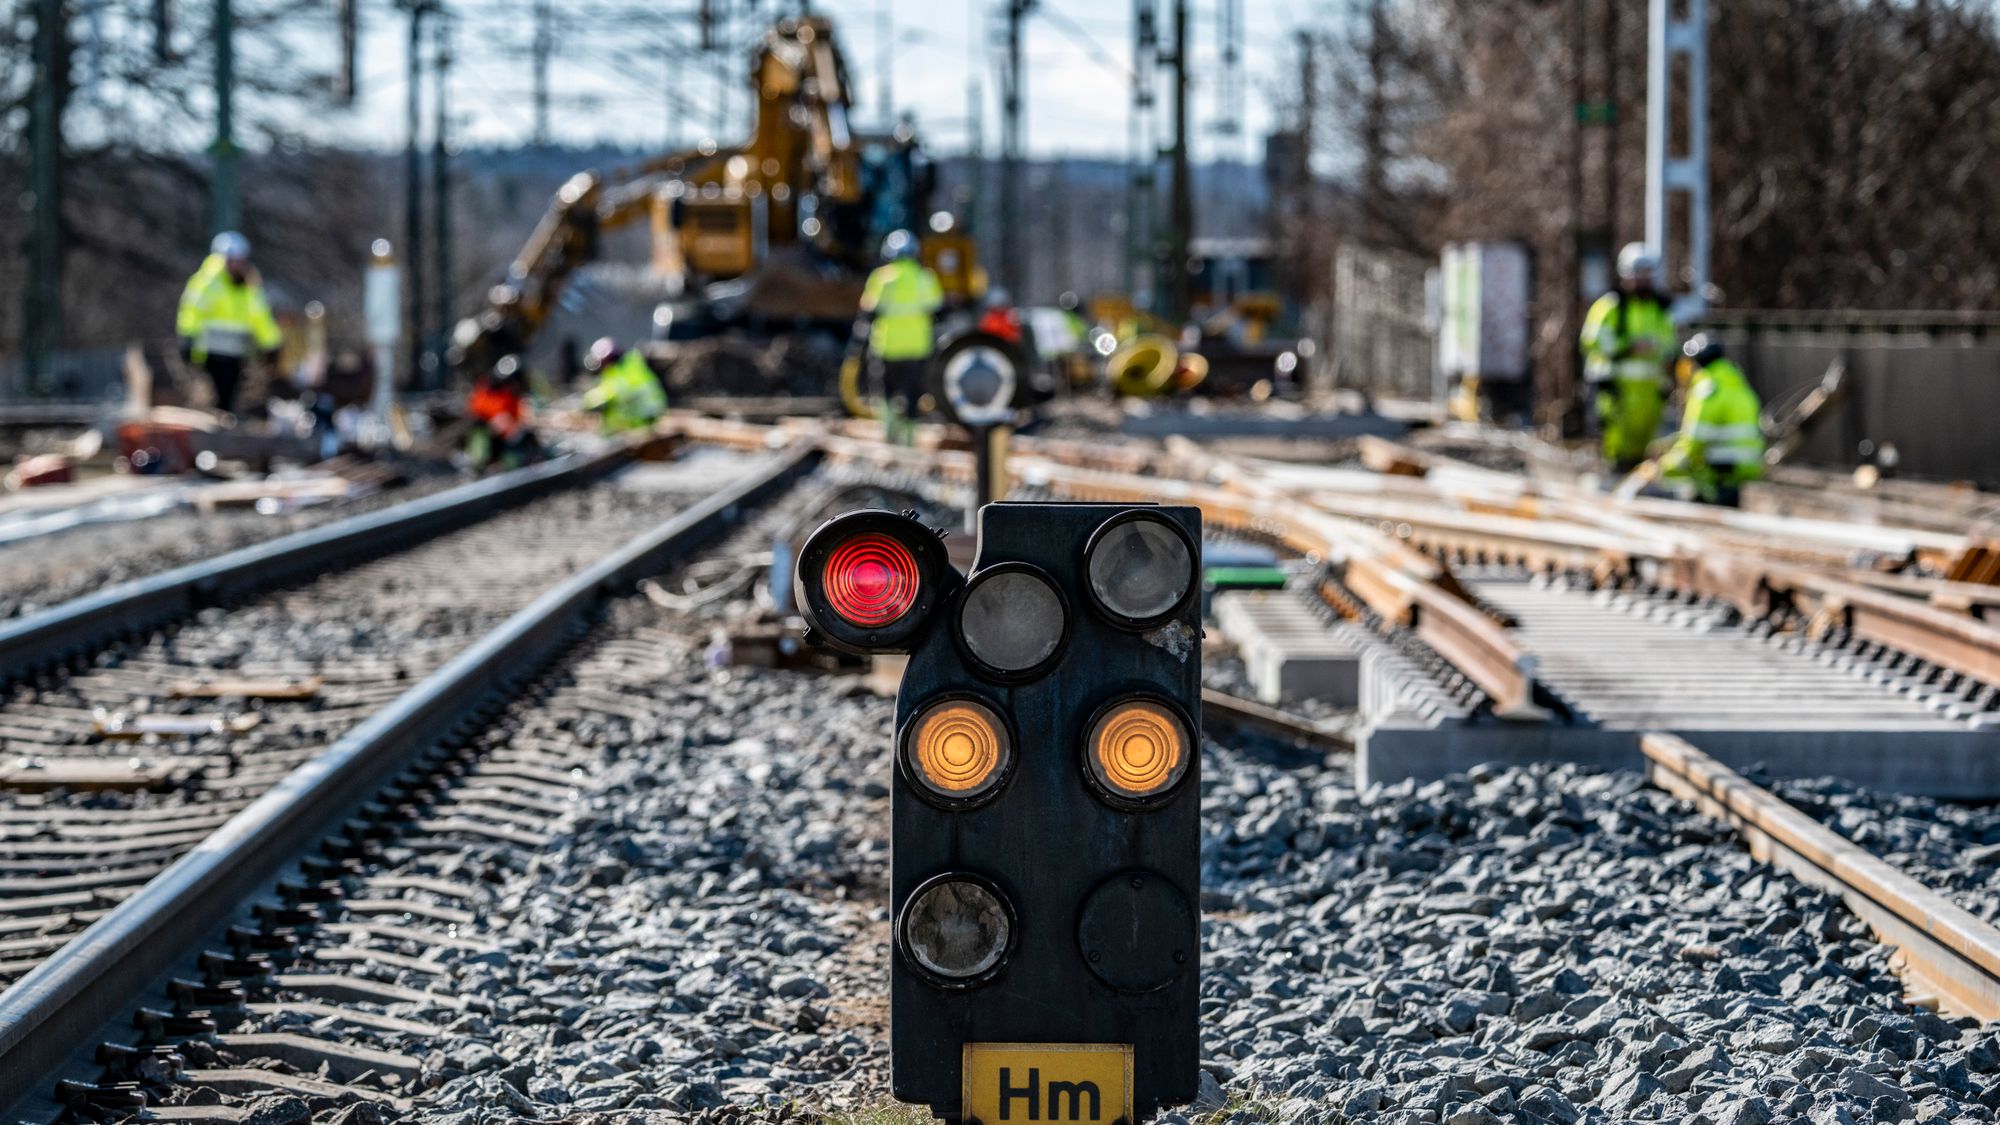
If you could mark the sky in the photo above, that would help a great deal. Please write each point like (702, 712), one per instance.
(624, 71)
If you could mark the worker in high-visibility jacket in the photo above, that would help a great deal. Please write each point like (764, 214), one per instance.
(501, 435)
(225, 320)
(1628, 341)
(628, 395)
(897, 306)
(1721, 443)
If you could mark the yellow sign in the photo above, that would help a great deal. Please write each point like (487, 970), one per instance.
(1044, 1082)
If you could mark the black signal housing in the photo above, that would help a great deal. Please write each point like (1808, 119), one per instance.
(1084, 872)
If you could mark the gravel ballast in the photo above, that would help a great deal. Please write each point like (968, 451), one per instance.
(1546, 945)
(706, 938)
(707, 942)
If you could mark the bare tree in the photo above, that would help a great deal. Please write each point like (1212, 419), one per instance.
(137, 121)
(1855, 144)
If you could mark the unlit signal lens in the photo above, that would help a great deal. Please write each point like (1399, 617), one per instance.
(871, 580)
(1138, 750)
(956, 930)
(1012, 621)
(959, 750)
(1140, 569)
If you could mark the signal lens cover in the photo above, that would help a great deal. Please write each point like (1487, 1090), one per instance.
(1012, 620)
(1140, 568)
(871, 580)
(1138, 751)
(958, 750)
(956, 930)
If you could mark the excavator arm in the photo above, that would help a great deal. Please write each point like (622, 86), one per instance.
(720, 213)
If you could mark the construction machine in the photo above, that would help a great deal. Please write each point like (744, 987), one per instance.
(772, 234)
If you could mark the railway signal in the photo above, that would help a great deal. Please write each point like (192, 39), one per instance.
(1045, 803)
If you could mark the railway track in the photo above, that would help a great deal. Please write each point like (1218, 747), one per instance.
(91, 825)
(79, 627)
(640, 879)
(358, 969)
(116, 770)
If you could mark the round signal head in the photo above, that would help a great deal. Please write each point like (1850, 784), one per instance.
(957, 752)
(979, 381)
(1140, 569)
(867, 581)
(1012, 621)
(1137, 750)
(956, 930)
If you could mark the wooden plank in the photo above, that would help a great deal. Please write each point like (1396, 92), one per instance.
(281, 687)
(99, 774)
(131, 727)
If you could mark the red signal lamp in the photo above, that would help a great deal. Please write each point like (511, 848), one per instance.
(871, 580)
(868, 580)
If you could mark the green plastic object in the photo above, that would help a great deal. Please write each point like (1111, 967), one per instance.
(1243, 578)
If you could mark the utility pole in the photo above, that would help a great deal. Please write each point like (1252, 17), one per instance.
(1229, 90)
(42, 334)
(671, 87)
(1013, 264)
(347, 80)
(1302, 226)
(1684, 173)
(1179, 284)
(1375, 119)
(441, 198)
(975, 118)
(224, 208)
(1141, 235)
(544, 46)
(885, 61)
(1611, 165)
(1593, 195)
(413, 198)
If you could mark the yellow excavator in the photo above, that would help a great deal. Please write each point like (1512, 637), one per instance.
(779, 230)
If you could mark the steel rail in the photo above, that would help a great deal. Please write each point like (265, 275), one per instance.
(89, 622)
(1963, 644)
(1401, 584)
(54, 1010)
(1613, 542)
(1374, 569)
(1220, 708)
(1946, 952)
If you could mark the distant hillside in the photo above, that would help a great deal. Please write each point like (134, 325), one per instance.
(1075, 209)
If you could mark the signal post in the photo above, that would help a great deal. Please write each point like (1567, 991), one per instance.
(1046, 801)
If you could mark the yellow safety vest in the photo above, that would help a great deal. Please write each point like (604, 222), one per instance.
(629, 394)
(220, 317)
(1721, 442)
(902, 295)
(1631, 389)
(1615, 324)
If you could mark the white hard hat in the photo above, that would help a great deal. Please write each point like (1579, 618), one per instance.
(1639, 262)
(899, 244)
(230, 244)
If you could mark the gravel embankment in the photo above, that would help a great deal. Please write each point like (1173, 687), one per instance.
(1538, 946)
(1545, 945)
(708, 937)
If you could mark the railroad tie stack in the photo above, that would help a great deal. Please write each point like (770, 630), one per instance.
(1289, 653)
